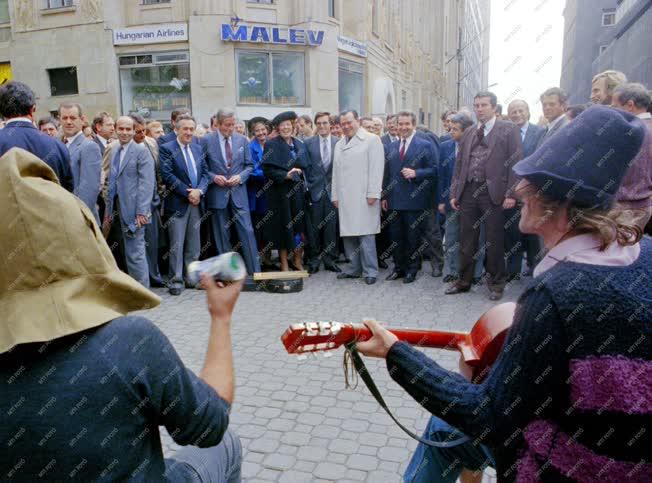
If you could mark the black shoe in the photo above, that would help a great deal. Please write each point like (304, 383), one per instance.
(175, 291)
(495, 295)
(395, 275)
(313, 268)
(189, 285)
(477, 281)
(528, 273)
(156, 283)
(449, 278)
(370, 280)
(331, 267)
(382, 264)
(409, 278)
(343, 275)
(455, 289)
(436, 272)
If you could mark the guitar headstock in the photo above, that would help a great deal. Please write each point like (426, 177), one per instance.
(315, 336)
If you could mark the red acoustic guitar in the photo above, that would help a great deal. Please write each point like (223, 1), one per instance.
(479, 348)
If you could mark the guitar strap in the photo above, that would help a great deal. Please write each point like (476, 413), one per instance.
(361, 369)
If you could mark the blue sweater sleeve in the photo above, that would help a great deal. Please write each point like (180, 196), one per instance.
(169, 393)
(527, 379)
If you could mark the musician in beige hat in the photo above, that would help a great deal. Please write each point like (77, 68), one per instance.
(84, 385)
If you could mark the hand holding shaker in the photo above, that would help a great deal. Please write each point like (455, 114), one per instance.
(227, 267)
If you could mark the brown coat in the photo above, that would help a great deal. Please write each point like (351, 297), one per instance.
(505, 149)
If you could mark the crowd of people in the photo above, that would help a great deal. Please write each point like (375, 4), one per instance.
(85, 385)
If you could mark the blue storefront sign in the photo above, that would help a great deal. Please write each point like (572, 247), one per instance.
(271, 35)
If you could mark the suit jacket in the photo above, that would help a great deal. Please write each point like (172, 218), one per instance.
(387, 140)
(445, 172)
(319, 179)
(505, 149)
(413, 194)
(100, 144)
(548, 133)
(533, 135)
(174, 173)
(133, 183)
(86, 165)
(24, 135)
(429, 136)
(166, 138)
(218, 197)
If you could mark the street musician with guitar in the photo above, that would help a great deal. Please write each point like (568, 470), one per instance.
(569, 397)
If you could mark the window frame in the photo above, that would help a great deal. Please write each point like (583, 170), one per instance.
(270, 76)
(52, 92)
(65, 4)
(332, 9)
(8, 21)
(359, 69)
(605, 15)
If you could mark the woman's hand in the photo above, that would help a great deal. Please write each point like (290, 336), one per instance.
(380, 343)
(221, 298)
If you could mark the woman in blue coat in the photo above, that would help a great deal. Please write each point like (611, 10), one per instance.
(260, 128)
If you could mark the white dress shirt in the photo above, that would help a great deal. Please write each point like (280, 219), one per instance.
(524, 128)
(644, 115)
(222, 146)
(123, 151)
(408, 140)
(489, 125)
(70, 140)
(325, 149)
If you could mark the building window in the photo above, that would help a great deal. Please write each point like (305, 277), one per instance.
(375, 11)
(4, 11)
(63, 81)
(350, 85)
(268, 2)
(603, 48)
(155, 2)
(331, 8)
(58, 3)
(153, 85)
(271, 78)
(608, 18)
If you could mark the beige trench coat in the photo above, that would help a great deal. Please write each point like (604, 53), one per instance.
(357, 175)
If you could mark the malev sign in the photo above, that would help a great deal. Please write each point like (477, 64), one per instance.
(271, 35)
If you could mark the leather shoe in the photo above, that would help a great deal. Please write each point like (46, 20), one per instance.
(409, 278)
(436, 272)
(394, 276)
(382, 264)
(343, 275)
(455, 289)
(449, 278)
(331, 267)
(313, 268)
(156, 283)
(495, 295)
(370, 280)
(175, 291)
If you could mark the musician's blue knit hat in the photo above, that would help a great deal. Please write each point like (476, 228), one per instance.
(586, 160)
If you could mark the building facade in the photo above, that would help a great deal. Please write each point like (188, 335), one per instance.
(588, 24)
(474, 50)
(258, 56)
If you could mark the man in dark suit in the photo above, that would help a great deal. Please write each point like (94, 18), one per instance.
(103, 129)
(323, 215)
(129, 199)
(184, 172)
(516, 242)
(554, 102)
(229, 165)
(481, 189)
(172, 135)
(17, 106)
(392, 131)
(407, 194)
(85, 157)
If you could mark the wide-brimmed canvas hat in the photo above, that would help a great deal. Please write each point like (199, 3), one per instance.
(58, 275)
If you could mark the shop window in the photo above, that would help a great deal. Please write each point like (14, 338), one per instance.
(4, 11)
(271, 78)
(58, 3)
(63, 81)
(350, 85)
(153, 85)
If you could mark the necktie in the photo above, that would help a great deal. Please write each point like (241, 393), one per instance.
(401, 154)
(65, 140)
(325, 153)
(228, 152)
(192, 173)
(479, 135)
(117, 162)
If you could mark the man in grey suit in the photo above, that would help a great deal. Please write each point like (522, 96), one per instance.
(554, 102)
(229, 165)
(85, 157)
(516, 242)
(131, 186)
(323, 215)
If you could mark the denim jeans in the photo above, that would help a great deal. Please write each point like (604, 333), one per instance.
(444, 465)
(452, 245)
(217, 464)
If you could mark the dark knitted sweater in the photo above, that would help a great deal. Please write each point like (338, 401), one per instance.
(570, 397)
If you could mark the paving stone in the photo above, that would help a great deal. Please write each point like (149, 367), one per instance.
(294, 476)
(310, 419)
(368, 450)
(312, 453)
(362, 462)
(337, 458)
(330, 471)
(393, 454)
(249, 469)
(279, 462)
(294, 438)
(343, 446)
(382, 477)
(267, 474)
(264, 445)
(373, 439)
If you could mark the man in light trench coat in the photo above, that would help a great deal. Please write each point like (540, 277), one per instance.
(358, 165)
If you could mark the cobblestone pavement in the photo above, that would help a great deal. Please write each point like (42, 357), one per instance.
(296, 420)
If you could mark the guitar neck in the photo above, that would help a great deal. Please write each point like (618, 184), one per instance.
(422, 338)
